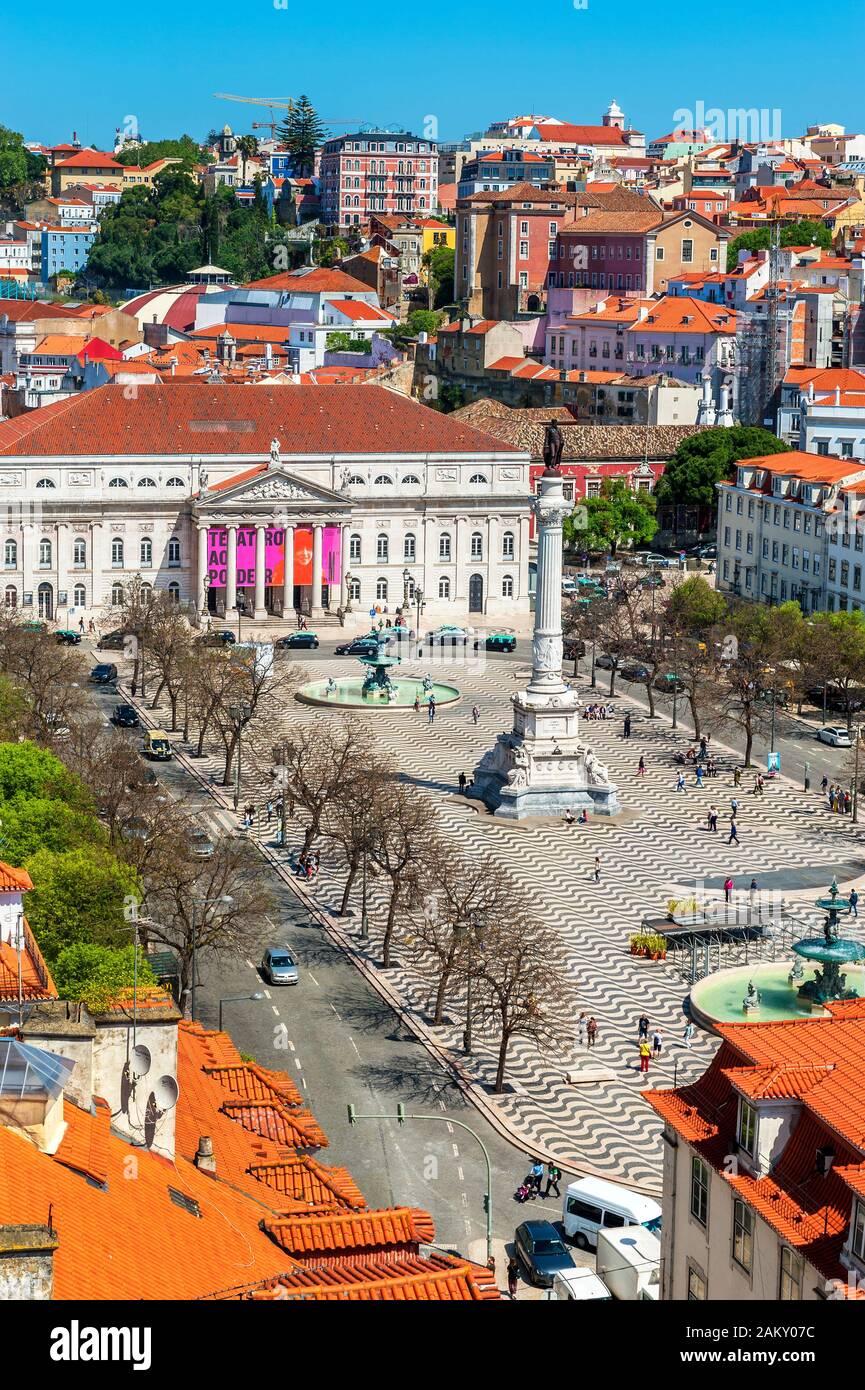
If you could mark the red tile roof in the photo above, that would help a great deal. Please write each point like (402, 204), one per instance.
(187, 418)
(319, 281)
(19, 310)
(14, 880)
(89, 159)
(359, 311)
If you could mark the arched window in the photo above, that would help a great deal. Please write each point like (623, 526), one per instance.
(79, 553)
(45, 482)
(354, 591)
(507, 587)
(478, 478)
(146, 550)
(174, 551)
(445, 546)
(146, 592)
(10, 555)
(117, 553)
(175, 482)
(411, 481)
(356, 480)
(11, 596)
(381, 589)
(477, 546)
(146, 482)
(79, 596)
(354, 549)
(382, 548)
(117, 595)
(508, 545)
(45, 555)
(118, 482)
(383, 480)
(410, 547)
(444, 588)
(174, 591)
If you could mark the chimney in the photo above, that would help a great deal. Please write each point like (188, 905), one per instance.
(837, 395)
(205, 1159)
(27, 1263)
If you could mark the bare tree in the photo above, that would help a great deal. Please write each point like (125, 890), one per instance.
(171, 649)
(321, 763)
(404, 821)
(522, 991)
(252, 689)
(350, 818)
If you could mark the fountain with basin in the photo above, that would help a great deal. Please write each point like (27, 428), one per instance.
(777, 991)
(377, 688)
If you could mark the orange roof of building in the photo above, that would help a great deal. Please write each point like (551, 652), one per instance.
(359, 311)
(242, 333)
(321, 280)
(680, 313)
(89, 159)
(814, 468)
(14, 880)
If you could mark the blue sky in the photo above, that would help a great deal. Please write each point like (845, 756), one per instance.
(464, 64)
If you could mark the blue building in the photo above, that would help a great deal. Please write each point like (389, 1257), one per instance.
(65, 248)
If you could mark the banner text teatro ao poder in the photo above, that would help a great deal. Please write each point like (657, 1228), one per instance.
(274, 556)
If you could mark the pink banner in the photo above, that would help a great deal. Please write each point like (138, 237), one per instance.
(274, 556)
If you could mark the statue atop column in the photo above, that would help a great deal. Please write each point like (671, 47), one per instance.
(553, 447)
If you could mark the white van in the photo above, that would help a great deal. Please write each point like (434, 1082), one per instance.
(592, 1204)
(629, 1261)
(579, 1285)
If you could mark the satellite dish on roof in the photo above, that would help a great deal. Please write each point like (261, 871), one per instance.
(165, 1093)
(139, 1061)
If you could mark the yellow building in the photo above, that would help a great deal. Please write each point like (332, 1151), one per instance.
(435, 234)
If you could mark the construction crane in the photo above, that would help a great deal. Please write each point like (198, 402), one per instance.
(277, 104)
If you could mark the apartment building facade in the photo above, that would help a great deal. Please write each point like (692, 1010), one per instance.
(377, 172)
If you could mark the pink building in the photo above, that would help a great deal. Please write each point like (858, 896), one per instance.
(377, 172)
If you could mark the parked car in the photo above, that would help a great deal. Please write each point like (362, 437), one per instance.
(111, 642)
(652, 581)
(35, 625)
(104, 674)
(448, 633)
(669, 682)
(279, 966)
(606, 663)
(569, 585)
(156, 745)
(650, 557)
(497, 642)
(67, 636)
(835, 736)
(634, 671)
(358, 646)
(222, 637)
(297, 639)
(591, 1205)
(202, 845)
(541, 1252)
(125, 717)
(573, 648)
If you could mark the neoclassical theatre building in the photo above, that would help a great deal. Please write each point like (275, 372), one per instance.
(283, 497)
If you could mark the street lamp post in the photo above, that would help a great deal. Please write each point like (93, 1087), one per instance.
(206, 583)
(469, 930)
(448, 1119)
(675, 700)
(349, 579)
(418, 598)
(240, 608)
(240, 714)
(196, 903)
(237, 999)
(406, 581)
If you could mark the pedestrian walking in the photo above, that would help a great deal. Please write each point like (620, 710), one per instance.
(734, 834)
(703, 746)
(462, 783)
(537, 1176)
(699, 775)
(582, 1028)
(641, 767)
(476, 714)
(642, 1026)
(824, 784)
(854, 902)
(269, 810)
(432, 710)
(728, 889)
(592, 1030)
(553, 1178)
(680, 782)
(513, 1276)
(688, 1033)
(597, 869)
(734, 807)
(753, 891)
(737, 777)
(656, 1044)
(712, 819)
(81, 626)
(626, 727)
(417, 704)
(645, 1054)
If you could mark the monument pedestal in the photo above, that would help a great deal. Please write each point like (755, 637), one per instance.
(541, 768)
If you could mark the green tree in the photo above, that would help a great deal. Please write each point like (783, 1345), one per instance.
(617, 517)
(439, 263)
(31, 823)
(187, 150)
(803, 233)
(694, 607)
(839, 640)
(78, 895)
(703, 460)
(301, 133)
(95, 974)
(247, 148)
(27, 770)
(21, 172)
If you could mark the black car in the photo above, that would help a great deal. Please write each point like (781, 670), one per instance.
(360, 646)
(104, 674)
(222, 637)
(541, 1251)
(125, 717)
(67, 637)
(497, 642)
(634, 671)
(573, 648)
(111, 642)
(606, 663)
(297, 639)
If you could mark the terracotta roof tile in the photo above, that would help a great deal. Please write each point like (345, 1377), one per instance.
(314, 1237)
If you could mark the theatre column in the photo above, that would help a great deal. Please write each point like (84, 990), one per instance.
(260, 558)
(316, 571)
(231, 572)
(202, 568)
(288, 575)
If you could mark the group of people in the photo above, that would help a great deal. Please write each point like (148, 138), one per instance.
(531, 1183)
(308, 862)
(646, 1048)
(838, 798)
(598, 712)
(570, 819)
(587, 1030)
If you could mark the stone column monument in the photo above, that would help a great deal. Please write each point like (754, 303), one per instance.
(541, 768)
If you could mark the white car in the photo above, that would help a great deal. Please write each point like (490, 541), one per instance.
(448, 633)
(839, 738)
